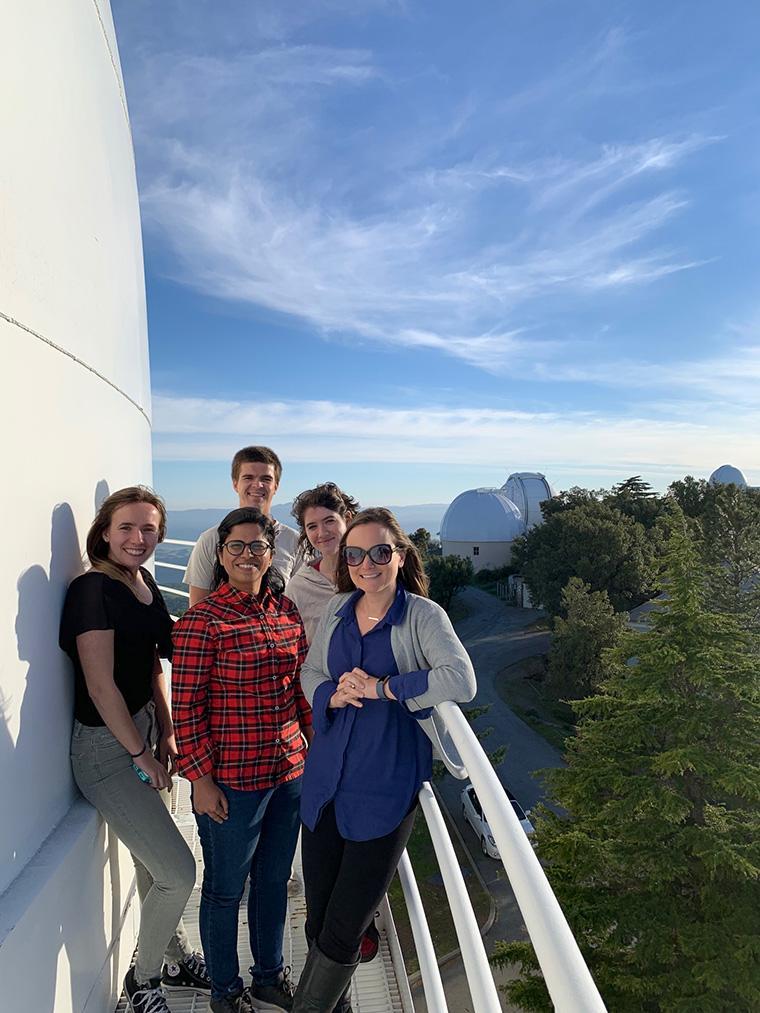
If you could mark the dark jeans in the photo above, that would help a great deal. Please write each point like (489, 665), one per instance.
(345, 882)
(258, 839)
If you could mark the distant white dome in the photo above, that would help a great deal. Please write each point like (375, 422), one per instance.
(482, 515)
(727, 474)
(527, 490)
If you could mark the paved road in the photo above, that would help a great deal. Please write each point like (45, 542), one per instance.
(495, 636)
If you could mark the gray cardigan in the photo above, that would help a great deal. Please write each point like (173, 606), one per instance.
(424, 639)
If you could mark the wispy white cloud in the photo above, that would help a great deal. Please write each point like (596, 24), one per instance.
(307, 431)
(728, 382)
(258, 205)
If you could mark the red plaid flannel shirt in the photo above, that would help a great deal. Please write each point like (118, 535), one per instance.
(237, 703)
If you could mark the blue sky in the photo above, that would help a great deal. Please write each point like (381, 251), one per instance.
(416, 246)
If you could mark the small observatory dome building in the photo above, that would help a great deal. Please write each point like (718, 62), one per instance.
(480, 525)
(727, 474)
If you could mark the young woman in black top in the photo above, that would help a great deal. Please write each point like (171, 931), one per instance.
(114, 627)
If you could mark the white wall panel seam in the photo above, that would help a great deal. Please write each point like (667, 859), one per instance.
(114, 62)
(79, 362)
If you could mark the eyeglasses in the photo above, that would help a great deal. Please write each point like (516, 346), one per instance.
(380, 554)
(236, 548)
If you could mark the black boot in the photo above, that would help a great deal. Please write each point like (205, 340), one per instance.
(322, 983)
(343, 1005)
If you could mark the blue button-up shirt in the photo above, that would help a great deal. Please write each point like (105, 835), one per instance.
(369, 761)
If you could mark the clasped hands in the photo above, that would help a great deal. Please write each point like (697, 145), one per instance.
(353, 687)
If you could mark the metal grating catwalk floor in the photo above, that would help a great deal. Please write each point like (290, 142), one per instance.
(376, 988)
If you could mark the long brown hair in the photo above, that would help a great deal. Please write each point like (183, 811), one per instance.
(97, 546)
(412, 573)
(330, 497)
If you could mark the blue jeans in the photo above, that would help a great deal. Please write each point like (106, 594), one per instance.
(258, 839)
(138, 815)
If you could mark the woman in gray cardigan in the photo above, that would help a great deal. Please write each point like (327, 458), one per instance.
(382, 657)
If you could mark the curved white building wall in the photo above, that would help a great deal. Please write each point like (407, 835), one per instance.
(74, 412)
(528, 490)
(482, 555)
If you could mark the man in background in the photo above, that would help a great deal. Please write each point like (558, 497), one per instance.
(256, 474)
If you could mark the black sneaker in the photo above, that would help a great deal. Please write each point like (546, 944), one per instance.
(276, 996)
(147, 998)
(190, 973)
(231, 1004)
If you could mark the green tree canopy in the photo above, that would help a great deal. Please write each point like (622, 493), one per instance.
(637, 499)
(447, 575)
(577, 664)
(691, 494)
(656, 861)
(569, 499)
(422, 540)
(606, 549)
(731, 538)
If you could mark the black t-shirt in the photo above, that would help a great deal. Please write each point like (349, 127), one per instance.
(96, 601)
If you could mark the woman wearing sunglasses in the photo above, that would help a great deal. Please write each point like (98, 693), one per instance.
(382, 657)
(323, 514)
(240, 719)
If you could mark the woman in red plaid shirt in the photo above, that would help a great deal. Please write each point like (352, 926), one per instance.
(240, 719)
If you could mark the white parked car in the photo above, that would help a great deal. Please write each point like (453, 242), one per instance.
(472, 813)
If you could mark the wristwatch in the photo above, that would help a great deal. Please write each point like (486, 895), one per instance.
(381, 694)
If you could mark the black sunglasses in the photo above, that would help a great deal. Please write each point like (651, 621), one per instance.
(236, 548)
(380, 554)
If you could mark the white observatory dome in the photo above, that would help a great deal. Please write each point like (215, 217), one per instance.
(727, 474)
(482, 515)
(527, 490)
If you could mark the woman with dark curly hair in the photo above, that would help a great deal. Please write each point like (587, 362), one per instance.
(323, 514)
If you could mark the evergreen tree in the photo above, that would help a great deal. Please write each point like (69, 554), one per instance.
(576, 662)
(569, 499)
(637, 499)
(447, 575)
(691, 494)
(593, 541)
(421, 539)
(656, 861)
(731, 539)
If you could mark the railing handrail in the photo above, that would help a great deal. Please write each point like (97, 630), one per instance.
(177, 541)
(485, 998)
(430, 973)
(173, 590)
(568, 979)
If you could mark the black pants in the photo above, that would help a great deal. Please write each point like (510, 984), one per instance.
(345, 882)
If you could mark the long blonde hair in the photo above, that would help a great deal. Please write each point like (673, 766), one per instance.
(97, 546)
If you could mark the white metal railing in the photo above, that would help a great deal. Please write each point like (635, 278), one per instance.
(430, 973)
(485, 998)
(567, 978)
(173, 566)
